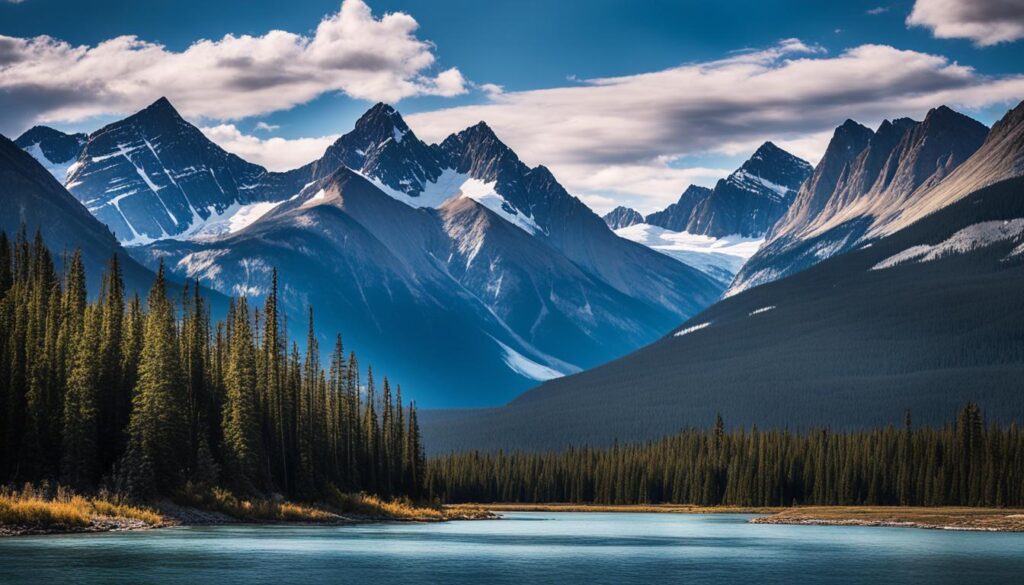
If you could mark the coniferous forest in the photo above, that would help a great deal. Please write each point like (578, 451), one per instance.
(145, 397)
(966, 463)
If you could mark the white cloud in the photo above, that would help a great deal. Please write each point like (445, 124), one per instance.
(986, 22)
(613, 135)
(264, 127)
(878, 10)
(276, 154)
(44, 79)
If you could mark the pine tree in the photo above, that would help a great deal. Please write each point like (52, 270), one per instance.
(242, 434)
(158, 426)
(80, 459)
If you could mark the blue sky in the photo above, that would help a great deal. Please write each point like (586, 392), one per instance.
(767, 70)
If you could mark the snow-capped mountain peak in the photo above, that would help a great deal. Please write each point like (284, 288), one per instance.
(153, 175)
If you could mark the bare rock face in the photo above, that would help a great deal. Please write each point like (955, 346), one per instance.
(621, 217)
(872, 183)
(746, 203)
(676, 217)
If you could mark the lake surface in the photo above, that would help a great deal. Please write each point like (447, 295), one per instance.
(534, 547)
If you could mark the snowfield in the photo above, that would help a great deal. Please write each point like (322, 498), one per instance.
(720, 258)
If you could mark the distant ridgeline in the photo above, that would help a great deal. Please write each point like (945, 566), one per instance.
(144, 401)
(963, 464)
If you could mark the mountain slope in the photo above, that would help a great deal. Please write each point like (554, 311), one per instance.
(867, 184)
(926, 318)
(54, 149)
(32, 197)
(153, 175)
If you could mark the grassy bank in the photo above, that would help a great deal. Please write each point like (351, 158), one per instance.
(41, 510)
(33, 511)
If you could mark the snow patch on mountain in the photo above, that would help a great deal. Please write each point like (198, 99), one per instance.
(59, 169)
(720, 258)
(745, 179)
(761, 310)
(526, 367)
(452, 183)
(486, 195)
(691, 329)
(970, 238)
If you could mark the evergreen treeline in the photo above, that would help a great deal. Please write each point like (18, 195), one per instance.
(966, 463)
(144, 398)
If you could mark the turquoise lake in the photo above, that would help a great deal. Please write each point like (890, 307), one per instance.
(534, 547)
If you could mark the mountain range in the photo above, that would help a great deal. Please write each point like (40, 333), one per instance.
(747, 203)
(470, 276)
(486, 270)
(717, 230)
(869, 184)
(903, 293)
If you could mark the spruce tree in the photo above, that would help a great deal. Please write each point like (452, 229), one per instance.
(241, 424)
(158, 426)
(80, 459)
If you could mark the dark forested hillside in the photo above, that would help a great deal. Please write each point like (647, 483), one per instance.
(148, 398)
(926, 319)
(965, 463)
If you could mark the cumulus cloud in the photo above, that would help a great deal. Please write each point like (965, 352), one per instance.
(986, 22)
(275, 153)
(623, 129)
(264, 127)
(43, 79)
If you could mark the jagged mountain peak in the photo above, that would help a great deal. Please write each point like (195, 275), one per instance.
(945, 119)
(479, 138)
(769, 151)
(779, 170)
(849, 135)
(895, 128)
(622, 216)
(380, 123)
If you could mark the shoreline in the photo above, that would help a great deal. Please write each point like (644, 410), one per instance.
(937, 518)
(168, 514)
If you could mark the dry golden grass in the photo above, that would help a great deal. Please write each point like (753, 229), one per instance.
(38, 508)
(375, 507)
(221, 500)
